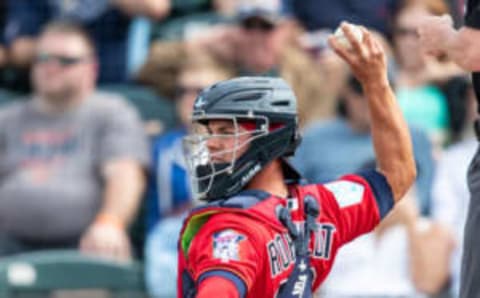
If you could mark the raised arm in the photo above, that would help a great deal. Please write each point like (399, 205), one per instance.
(390, 134)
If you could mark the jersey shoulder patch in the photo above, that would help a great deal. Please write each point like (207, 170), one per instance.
(226, 245)
(346, 193)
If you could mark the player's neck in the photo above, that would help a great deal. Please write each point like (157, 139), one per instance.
(270, 180)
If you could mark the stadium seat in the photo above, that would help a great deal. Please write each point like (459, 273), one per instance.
(40, 273)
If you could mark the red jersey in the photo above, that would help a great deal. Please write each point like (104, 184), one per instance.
(242, 248)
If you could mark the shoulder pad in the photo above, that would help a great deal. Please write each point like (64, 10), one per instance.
(201, 214)
(243, 200)
(240, 202)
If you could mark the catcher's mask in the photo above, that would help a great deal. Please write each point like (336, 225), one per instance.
(238, 126)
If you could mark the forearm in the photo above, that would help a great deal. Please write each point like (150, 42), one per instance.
(391, 137)
(156, 9)
(124, 186)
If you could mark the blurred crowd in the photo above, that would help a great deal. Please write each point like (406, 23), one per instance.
(95, 99)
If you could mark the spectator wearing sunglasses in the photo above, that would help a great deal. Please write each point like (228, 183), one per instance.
(266, 44)
(263, 34)
(169, 195)
(72, 159)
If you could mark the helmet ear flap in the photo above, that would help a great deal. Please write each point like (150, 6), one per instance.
(296, 140)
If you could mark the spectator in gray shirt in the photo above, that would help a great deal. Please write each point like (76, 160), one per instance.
(72, 159)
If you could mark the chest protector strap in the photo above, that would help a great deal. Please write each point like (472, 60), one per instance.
(300, 281)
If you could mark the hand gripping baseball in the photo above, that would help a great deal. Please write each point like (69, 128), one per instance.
(365, 56)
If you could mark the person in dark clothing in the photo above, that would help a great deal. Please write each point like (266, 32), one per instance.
(3, 50)
(106, 21)
(318, 14)
(3, 12)
(438, 37)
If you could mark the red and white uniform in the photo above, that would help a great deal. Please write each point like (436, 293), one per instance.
(239, 248)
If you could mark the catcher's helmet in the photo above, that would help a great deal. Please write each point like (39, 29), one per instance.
(269, 107)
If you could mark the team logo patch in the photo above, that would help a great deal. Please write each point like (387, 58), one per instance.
(226, 245)
(346, 193)
(200, 102)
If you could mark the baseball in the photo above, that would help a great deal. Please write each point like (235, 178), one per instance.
(342, 39)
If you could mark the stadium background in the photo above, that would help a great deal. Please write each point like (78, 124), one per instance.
(142, 54)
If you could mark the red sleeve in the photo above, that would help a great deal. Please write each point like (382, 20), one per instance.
(228, 247)
(357, 203)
